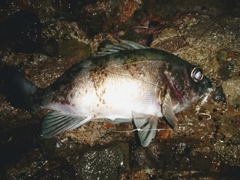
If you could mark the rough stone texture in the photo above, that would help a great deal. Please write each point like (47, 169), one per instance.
(95, 163)
(206, 143)
(231, 89)
(205, 39)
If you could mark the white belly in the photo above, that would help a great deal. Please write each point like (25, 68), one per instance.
(117, 98)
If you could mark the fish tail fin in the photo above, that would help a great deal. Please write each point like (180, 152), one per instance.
(18, 91)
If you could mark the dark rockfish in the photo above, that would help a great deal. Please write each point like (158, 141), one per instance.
(125, 82)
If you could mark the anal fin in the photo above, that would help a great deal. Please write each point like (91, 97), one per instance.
(118, 121)
(147, 126)
(56, 122)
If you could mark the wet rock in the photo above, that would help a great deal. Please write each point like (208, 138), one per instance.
(140, 174)
(34, 165)
(141, 158)
(151, 157)
(203, 40)
(170, 8)
(72, 47)
(228, 151)
(59, 171)
(219, 95)
(64, 38)
(231, 88)
(103, 162)
(50, 48)
(225, 70)
(26, 166)
(69, 46)
(15, 142)
(156, 152)
(171, 160)
(226, 66)
(98, 132)
(107, 15)
(60, 147)
(204, 145)
(26, 29)
(222, 55)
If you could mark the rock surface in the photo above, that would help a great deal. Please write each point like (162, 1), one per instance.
(61, 33)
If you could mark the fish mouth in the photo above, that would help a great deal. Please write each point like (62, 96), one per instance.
(206, 85)
(206, 91)
(204, 97)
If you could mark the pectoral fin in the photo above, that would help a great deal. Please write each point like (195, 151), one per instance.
(146, 126)
(57, 122)
(168, 113)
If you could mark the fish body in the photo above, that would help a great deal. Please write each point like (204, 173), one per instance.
(124, 82)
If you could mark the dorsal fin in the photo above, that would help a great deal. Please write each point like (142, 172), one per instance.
(109, 47)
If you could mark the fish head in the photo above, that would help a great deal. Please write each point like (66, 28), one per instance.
(187, 84)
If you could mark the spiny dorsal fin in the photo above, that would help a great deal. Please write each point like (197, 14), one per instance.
(109, 47)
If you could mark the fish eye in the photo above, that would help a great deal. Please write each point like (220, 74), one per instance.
(197, 74)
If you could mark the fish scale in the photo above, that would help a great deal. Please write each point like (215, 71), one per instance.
(124, 82)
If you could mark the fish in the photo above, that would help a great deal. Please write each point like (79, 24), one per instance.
(123, 82)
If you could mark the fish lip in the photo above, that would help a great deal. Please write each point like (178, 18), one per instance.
(204, 97)
(206, 91)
